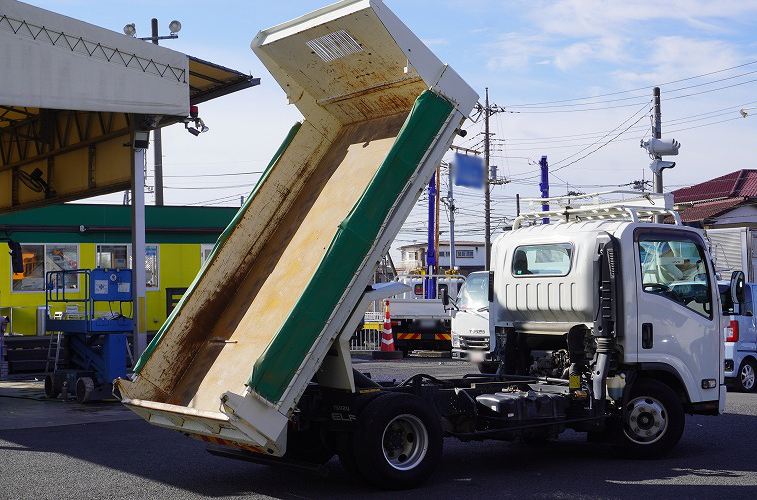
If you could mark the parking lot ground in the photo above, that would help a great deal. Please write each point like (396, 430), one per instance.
(114, 455)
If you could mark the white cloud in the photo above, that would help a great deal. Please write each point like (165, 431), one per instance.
(675, 57)
(515, 50)
(586, 18)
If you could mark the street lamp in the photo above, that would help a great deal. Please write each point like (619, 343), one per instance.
(173, 27)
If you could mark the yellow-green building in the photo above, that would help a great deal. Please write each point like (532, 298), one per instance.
(78, 236)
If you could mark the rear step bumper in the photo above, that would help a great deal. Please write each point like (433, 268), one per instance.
(214, 425)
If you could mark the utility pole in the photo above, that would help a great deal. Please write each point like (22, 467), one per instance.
(658, 135)
(517, 204)
(487, 195)
(431, 261)
(544, 186)
(488, 110)
(158, 143)
(451, 201)
(436, 217)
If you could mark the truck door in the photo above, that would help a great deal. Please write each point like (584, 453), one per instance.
(678, 309)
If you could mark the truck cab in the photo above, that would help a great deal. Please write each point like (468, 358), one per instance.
(558, 285)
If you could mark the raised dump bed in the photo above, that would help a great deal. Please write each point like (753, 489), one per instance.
(287, 276)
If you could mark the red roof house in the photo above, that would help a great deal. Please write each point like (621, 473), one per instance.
(727, 200)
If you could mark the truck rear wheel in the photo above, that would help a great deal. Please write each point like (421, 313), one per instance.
(653, 420)
(399, 443)
(746, 378)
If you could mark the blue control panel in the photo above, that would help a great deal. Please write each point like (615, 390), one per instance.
(110, 285)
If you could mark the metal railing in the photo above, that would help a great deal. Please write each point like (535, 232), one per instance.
(366, 340)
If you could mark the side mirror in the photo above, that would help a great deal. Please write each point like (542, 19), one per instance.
(738, 290)
(445, 297)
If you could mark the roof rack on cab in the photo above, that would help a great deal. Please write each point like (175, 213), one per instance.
(617, 205)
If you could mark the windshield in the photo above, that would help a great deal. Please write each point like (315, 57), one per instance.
(475, 292)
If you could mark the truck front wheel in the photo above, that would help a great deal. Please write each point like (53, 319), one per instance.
(399, 444)
(653, 420)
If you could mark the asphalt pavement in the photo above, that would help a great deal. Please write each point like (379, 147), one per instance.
(113, 455)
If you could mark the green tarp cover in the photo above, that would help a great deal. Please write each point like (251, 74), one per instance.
(221, 240)
(274, 370)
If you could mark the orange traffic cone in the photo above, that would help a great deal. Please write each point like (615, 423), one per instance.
(387, 339)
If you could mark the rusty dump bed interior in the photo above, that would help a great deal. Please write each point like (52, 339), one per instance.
(238, 320)
(287, 274)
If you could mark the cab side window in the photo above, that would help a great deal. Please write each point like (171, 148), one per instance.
(747, 309)
(676, 270)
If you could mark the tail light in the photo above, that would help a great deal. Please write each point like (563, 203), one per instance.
(732, 331)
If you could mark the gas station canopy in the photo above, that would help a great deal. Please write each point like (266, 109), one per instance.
(72, 94)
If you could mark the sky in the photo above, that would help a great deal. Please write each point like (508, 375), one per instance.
(573, 79)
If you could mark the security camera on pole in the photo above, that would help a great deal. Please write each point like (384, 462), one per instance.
(657, 148)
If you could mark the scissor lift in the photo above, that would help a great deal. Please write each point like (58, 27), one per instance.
(97, 345)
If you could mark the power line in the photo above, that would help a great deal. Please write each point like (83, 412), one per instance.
(636, 89)
(213, 175)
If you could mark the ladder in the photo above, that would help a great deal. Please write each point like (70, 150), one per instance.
(56, 339)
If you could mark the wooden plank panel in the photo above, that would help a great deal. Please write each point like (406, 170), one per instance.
(274, 281)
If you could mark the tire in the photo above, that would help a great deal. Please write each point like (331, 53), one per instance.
(488, 367)
(345, 449)
(746, 378)
(653, 422)
(399, 442)
(308, 446)
(345, 441)
(53, 386)
(84, 388)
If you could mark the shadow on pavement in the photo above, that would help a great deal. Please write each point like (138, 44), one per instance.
(140, 458)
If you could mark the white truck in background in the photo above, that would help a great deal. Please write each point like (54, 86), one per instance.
(420, 323)
(471, 340)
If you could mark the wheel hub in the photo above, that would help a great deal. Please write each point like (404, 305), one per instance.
(747, 376)
(646, 420)
(405, 442)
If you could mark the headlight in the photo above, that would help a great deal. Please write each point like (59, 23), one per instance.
(455, 340)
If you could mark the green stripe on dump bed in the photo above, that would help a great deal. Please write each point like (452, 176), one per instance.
(221, 241)
(274, 370)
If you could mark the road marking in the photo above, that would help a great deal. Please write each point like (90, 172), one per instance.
(701, 477)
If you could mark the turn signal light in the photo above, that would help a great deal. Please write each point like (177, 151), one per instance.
(732, 332)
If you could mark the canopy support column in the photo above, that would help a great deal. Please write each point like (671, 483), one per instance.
(138, 252)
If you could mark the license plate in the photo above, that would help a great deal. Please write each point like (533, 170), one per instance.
(476, 357)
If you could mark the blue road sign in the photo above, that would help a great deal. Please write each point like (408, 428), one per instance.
(468, 171)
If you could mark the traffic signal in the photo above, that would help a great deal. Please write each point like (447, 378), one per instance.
(17, 259)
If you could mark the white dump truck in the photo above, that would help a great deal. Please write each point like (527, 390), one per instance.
(255, 358)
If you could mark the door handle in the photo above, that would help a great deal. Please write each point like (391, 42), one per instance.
(647, 336)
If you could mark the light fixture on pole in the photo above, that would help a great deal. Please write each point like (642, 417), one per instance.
(130, 29)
